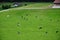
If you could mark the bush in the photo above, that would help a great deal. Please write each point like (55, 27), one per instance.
(6, 6)
(25, 4)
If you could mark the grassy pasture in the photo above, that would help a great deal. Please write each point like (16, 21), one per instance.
(38, 5)
(30, 24)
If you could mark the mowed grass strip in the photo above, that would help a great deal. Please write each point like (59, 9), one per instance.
(30, 24)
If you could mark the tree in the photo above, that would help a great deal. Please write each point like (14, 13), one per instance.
(26, 0)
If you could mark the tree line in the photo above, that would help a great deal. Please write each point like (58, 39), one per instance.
(26, 0)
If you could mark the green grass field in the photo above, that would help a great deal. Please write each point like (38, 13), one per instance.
(30, 24)
(37, 5)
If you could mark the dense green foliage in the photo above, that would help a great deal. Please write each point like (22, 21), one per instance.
(26, 0)
(6, 6)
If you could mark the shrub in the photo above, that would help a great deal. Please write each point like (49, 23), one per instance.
(25, 4)
(6, 6)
